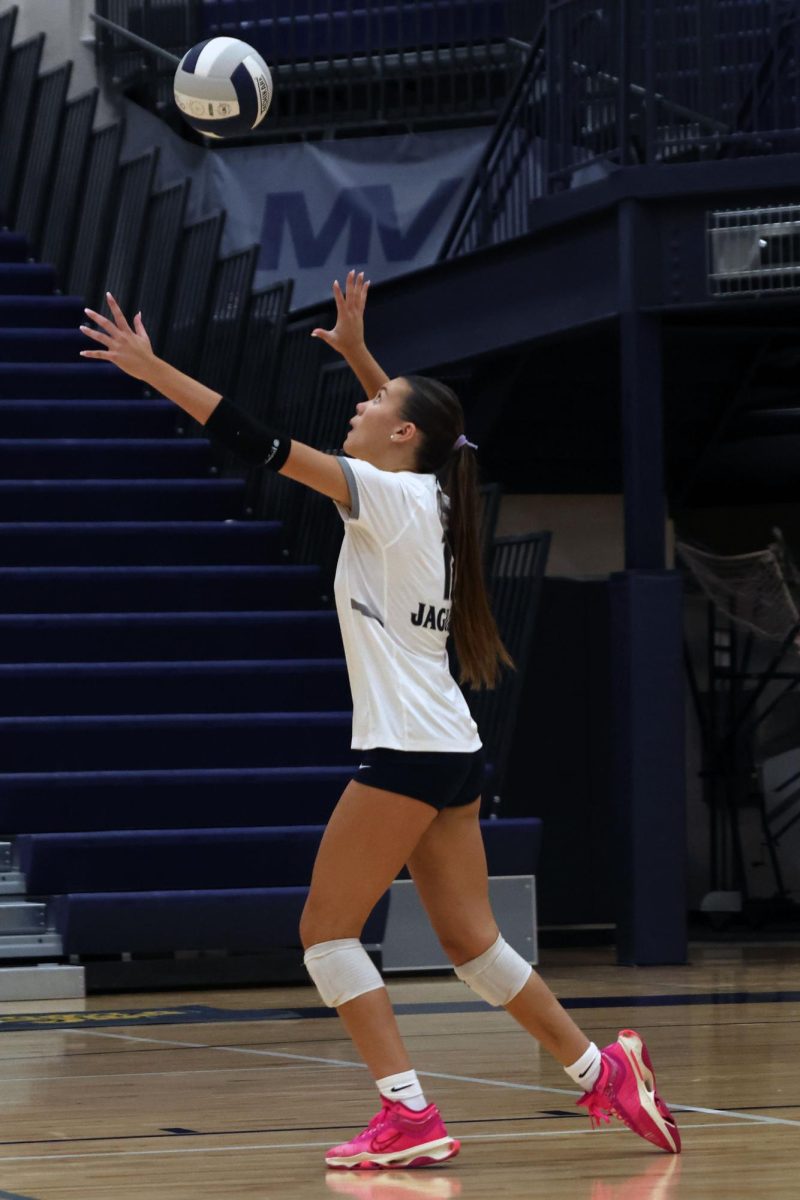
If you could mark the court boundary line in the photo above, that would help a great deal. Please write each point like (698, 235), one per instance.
(467, 1137)
(730, 1114)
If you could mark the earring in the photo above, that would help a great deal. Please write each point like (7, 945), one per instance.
(391, 437)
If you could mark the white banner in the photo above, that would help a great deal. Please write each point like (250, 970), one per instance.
(316, 209)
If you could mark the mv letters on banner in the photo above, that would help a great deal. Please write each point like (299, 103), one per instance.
(362, 213)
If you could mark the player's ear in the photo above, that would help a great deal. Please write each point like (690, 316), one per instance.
(405, 432)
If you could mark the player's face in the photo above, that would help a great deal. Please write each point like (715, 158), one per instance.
(375, 421)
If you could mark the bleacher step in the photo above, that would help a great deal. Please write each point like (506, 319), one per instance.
(39, 689)
(168, 636)
(48, 981)
(12, 883)
(65, 381)
(104, 458)
(120, 499)
(47, 312)
(22, 916)
(139, 543)
(30, 945)
(27, 345)
(87, 418)
(105, 590)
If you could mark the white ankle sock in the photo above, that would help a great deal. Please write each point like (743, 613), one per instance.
(404, 1087)
(585, 1071)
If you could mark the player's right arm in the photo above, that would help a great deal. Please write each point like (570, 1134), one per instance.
(347, 336)
(252, 441)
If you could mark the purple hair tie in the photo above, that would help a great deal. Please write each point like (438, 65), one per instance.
(463, 441)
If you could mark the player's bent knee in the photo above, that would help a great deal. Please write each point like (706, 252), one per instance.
(320, 924)
(462, 945)
(341, 970)
(497, 975)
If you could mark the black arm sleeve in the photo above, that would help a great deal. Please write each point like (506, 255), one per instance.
(246, 437)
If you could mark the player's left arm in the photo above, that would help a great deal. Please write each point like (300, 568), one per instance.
(130, 350)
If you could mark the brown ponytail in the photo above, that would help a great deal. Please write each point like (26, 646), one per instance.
(437, 414)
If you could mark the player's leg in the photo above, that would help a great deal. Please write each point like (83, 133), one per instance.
(368, 839)
(448, 866)
(366, 843)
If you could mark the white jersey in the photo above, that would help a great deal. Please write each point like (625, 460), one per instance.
(393, 596)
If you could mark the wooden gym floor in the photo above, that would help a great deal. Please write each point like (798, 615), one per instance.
(237, 1094)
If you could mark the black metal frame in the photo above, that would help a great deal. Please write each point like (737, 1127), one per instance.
(261, 354)
(314, 528)
(15, 116)
(60, 218)
(135, 186)
(516, 573)
(8, 23)
(191, 290)
(732, 711)
(225, 324)
(460, 76)
(37, 175)
(630, 82)
(90, 244)
(164, 222)
(292, 401)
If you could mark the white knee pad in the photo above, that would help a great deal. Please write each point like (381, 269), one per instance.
(341, 970)
(498, 974)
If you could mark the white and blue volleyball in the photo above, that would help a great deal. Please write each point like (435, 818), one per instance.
(223, 87)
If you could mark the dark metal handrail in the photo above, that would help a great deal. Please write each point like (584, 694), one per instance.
(357, 64)
(631, 82)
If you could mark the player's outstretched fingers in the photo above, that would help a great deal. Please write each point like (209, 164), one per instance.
(339, 297)
(117, 313)
(95, 334)
(102, 321)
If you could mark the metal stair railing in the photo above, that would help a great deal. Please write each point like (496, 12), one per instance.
(515, 582)
(630, 83)
(359, 64)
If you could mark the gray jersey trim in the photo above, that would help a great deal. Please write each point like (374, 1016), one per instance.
(352, 484)
(365, 612)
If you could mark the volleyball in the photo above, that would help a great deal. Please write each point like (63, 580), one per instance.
(223, 87)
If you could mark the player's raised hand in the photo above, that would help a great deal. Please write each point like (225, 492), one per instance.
(347, 335)
(129, 349)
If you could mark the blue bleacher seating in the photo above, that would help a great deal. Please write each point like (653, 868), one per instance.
(174, 705)
(351, 30)
(242, 919)
(143, 889)
(189, 859)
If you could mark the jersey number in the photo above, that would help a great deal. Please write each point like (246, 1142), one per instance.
(448, 570)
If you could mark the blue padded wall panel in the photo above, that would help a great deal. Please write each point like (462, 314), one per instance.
(188, 797)
(168, 636)
(36, 689)
(174, 741)
(248, 920)
(169, 860)
(154, 589)
(121, 499)
(183, 860)
(139, 543)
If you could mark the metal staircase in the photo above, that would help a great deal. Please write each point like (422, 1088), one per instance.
(25, 929)
(619, 83)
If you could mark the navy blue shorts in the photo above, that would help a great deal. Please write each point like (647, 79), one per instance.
(440, 779)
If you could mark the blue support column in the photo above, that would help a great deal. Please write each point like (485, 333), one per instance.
(649, 775)
(649, 767)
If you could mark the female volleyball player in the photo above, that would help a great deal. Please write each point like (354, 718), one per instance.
(408, 574)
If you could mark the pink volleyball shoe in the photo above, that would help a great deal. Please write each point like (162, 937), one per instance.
(626, 1088)
(396, 1137)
